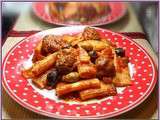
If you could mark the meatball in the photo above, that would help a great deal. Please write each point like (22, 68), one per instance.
(90, 34)
(52, 43)
(66, 60)
(105, 67)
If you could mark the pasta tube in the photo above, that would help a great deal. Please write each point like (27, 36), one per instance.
(122, 77)
(40, 66)
(87, 71)
(37, 52)
(94, 44)
(83, 56)
(68, 38)
(104, 90)
(77, 86)
(41, 81)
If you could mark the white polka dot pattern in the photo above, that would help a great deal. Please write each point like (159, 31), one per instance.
(143, 78)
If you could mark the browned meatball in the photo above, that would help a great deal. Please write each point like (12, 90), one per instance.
(90, 34)
(105, 67)
(66, 59)
(52, 43)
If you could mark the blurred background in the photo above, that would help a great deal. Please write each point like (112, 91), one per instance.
(147, 14)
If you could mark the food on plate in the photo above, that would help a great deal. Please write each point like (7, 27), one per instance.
(41, 81)
(122, 77)
(71, 77)
(93, 45)
(52, 43)
(104, 90)
(38, 53)
(77, 86)
(78, 11)
(84, 64)
(40, 66)
(90, 34)
(87, 70)
(66, 60)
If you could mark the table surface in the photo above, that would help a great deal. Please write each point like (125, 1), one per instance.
(129, 23)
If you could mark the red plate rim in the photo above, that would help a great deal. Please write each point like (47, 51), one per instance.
(65, 24)
(144, 97)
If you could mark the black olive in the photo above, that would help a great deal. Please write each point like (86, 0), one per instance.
(52, 78)
(93, 55)
(120, 52)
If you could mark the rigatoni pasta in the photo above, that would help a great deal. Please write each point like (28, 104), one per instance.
(122, 77)
(77, 86)
(104, 90)
(40, 66)
(82, 65)
(38, 53)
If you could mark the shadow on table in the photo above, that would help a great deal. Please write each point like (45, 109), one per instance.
(144, 111)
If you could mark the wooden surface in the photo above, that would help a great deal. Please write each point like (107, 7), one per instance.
(27, 21)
